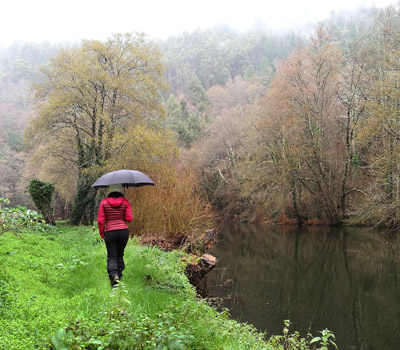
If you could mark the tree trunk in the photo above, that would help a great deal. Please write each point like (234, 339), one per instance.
(82, 199)
(346, 169)
(49, 218)
(390, 172)
(295, 202)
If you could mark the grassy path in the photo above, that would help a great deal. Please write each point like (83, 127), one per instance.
(55, 294)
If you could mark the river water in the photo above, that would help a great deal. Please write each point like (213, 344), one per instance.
(343, 279)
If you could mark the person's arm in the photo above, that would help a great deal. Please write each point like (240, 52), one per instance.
(101, 220)
(128, 212)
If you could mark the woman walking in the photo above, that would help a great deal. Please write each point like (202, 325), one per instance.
(114, 212)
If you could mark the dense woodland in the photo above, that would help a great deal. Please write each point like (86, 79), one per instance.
(251, 126)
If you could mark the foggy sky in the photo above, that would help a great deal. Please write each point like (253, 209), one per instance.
(74, 20)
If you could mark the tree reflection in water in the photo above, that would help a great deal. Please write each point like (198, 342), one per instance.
(343, 279)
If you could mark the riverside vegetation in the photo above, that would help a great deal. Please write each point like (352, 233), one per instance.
(273, 127)
(54, 294)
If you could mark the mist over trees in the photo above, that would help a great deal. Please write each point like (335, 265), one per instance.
(266, 126)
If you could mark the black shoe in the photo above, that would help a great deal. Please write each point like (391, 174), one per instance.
(114, 281)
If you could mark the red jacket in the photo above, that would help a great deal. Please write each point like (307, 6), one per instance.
(113, 214)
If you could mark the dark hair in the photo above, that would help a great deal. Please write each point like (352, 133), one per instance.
(115, 194)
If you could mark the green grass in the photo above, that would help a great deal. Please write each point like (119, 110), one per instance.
(45, 278)
(55, 294)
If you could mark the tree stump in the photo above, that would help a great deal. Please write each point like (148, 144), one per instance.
(198, 270)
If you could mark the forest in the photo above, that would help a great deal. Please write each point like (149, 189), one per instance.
(255, 126)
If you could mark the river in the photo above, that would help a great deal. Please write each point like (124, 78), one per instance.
(343, 279)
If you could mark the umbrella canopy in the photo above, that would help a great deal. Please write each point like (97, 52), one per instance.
(127, 178)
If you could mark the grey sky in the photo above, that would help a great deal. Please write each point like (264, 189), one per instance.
(73, 20)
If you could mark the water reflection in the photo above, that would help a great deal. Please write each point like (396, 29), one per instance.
(346, 280)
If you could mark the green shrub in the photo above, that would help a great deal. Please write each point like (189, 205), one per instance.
(42, 194)
(15, 219)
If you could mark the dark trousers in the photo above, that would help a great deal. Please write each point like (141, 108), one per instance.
(116, 243)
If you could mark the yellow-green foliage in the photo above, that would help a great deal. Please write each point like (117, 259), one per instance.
(90, 95)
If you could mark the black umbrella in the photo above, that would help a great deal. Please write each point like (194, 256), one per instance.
(127, 178)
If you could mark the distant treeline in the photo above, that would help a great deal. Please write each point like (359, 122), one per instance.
(279, 127)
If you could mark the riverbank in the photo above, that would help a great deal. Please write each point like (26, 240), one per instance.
(54, 294)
